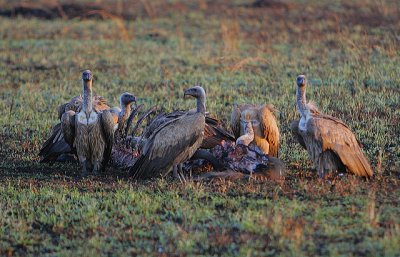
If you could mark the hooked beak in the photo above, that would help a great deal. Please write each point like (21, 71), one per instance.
(187, 93)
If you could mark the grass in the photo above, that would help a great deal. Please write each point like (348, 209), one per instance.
(240, 54)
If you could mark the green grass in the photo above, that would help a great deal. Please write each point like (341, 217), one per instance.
(239, 55)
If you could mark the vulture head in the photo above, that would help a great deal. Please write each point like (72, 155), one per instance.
(301, 81)
(197, 92)
(87, 78)
(87, 75)
(127, 98)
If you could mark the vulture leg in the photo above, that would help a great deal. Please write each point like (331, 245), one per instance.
(85, 165)
(329, 162)
(178, 173)
(96, 167)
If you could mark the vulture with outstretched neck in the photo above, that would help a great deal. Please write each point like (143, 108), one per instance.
(89, 131)
(329, 142)
(173, 142)
(56, 149)
(264, 125)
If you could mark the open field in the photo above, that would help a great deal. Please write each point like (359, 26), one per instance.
(240, 52)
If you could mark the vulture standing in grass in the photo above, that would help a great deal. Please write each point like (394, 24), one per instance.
(329, 142)
(89, 131)
(264, 125)
(172, 142)
(55, 148)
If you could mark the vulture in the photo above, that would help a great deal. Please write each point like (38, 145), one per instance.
(264, 125)
(121, 114)
(172, 142)
(55, 148)
(214, 134)
(89, 131)
(329, 142)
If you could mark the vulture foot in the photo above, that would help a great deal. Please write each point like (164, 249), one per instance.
(178, 173)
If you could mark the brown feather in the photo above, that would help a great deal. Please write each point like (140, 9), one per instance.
(56, 145)
(336, 136)
(172, 143)
(266, 131)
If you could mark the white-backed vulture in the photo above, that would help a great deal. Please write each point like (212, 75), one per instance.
(121, 114)
(89, 131)
(263, 121)
(55, 148)
(329, 142)
(173, 142)
(214, 134)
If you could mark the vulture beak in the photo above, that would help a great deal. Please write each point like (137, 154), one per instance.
(188, 92)
(132, 98)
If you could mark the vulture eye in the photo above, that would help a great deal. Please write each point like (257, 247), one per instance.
(255, 122)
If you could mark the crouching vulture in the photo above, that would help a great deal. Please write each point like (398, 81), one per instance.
(89, 131)
(173, 141)
(329, 142)
(264, 125)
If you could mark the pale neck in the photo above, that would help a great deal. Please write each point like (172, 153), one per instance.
(301, 100)
(125, 111)
(87, 97)
(201, 104)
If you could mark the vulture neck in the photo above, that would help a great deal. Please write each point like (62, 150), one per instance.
(87, 97)
(201, 104)
(123, 115)
(301, 100)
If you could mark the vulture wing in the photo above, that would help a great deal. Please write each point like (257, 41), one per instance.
(269, 128)
(214, 134)
(294, 127)
(337, 137)
(68, 127)
(172, 143)
(108, 124)
(54, 146)
(235, 121)
(100, 103)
